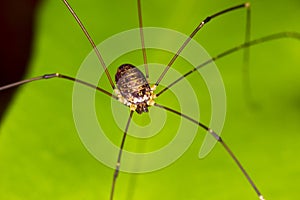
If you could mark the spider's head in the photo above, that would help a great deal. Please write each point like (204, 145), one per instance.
(141, 108)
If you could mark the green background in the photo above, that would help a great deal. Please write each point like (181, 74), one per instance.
(42, 157)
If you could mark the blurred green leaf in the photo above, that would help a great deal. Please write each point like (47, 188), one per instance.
(41, 155)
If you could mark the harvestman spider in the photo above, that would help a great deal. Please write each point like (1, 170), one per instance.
(134, 90)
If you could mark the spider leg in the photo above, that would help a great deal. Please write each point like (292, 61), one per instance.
(142, 38)
(220, 140)
(205, 21)
(117, 169)
(96, 50)
(293, 35)
(57, 75)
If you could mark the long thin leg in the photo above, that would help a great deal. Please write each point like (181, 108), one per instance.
(206, 20)
(117, 170)
(219, 139)
(293, 35)
(142, 39)
(91, 42)
(246, 74)
(57, 75)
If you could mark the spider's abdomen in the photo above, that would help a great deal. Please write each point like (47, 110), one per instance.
(133, 87)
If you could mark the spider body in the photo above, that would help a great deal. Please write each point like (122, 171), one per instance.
(133, 88)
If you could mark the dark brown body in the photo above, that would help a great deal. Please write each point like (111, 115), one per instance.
(133, 87)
